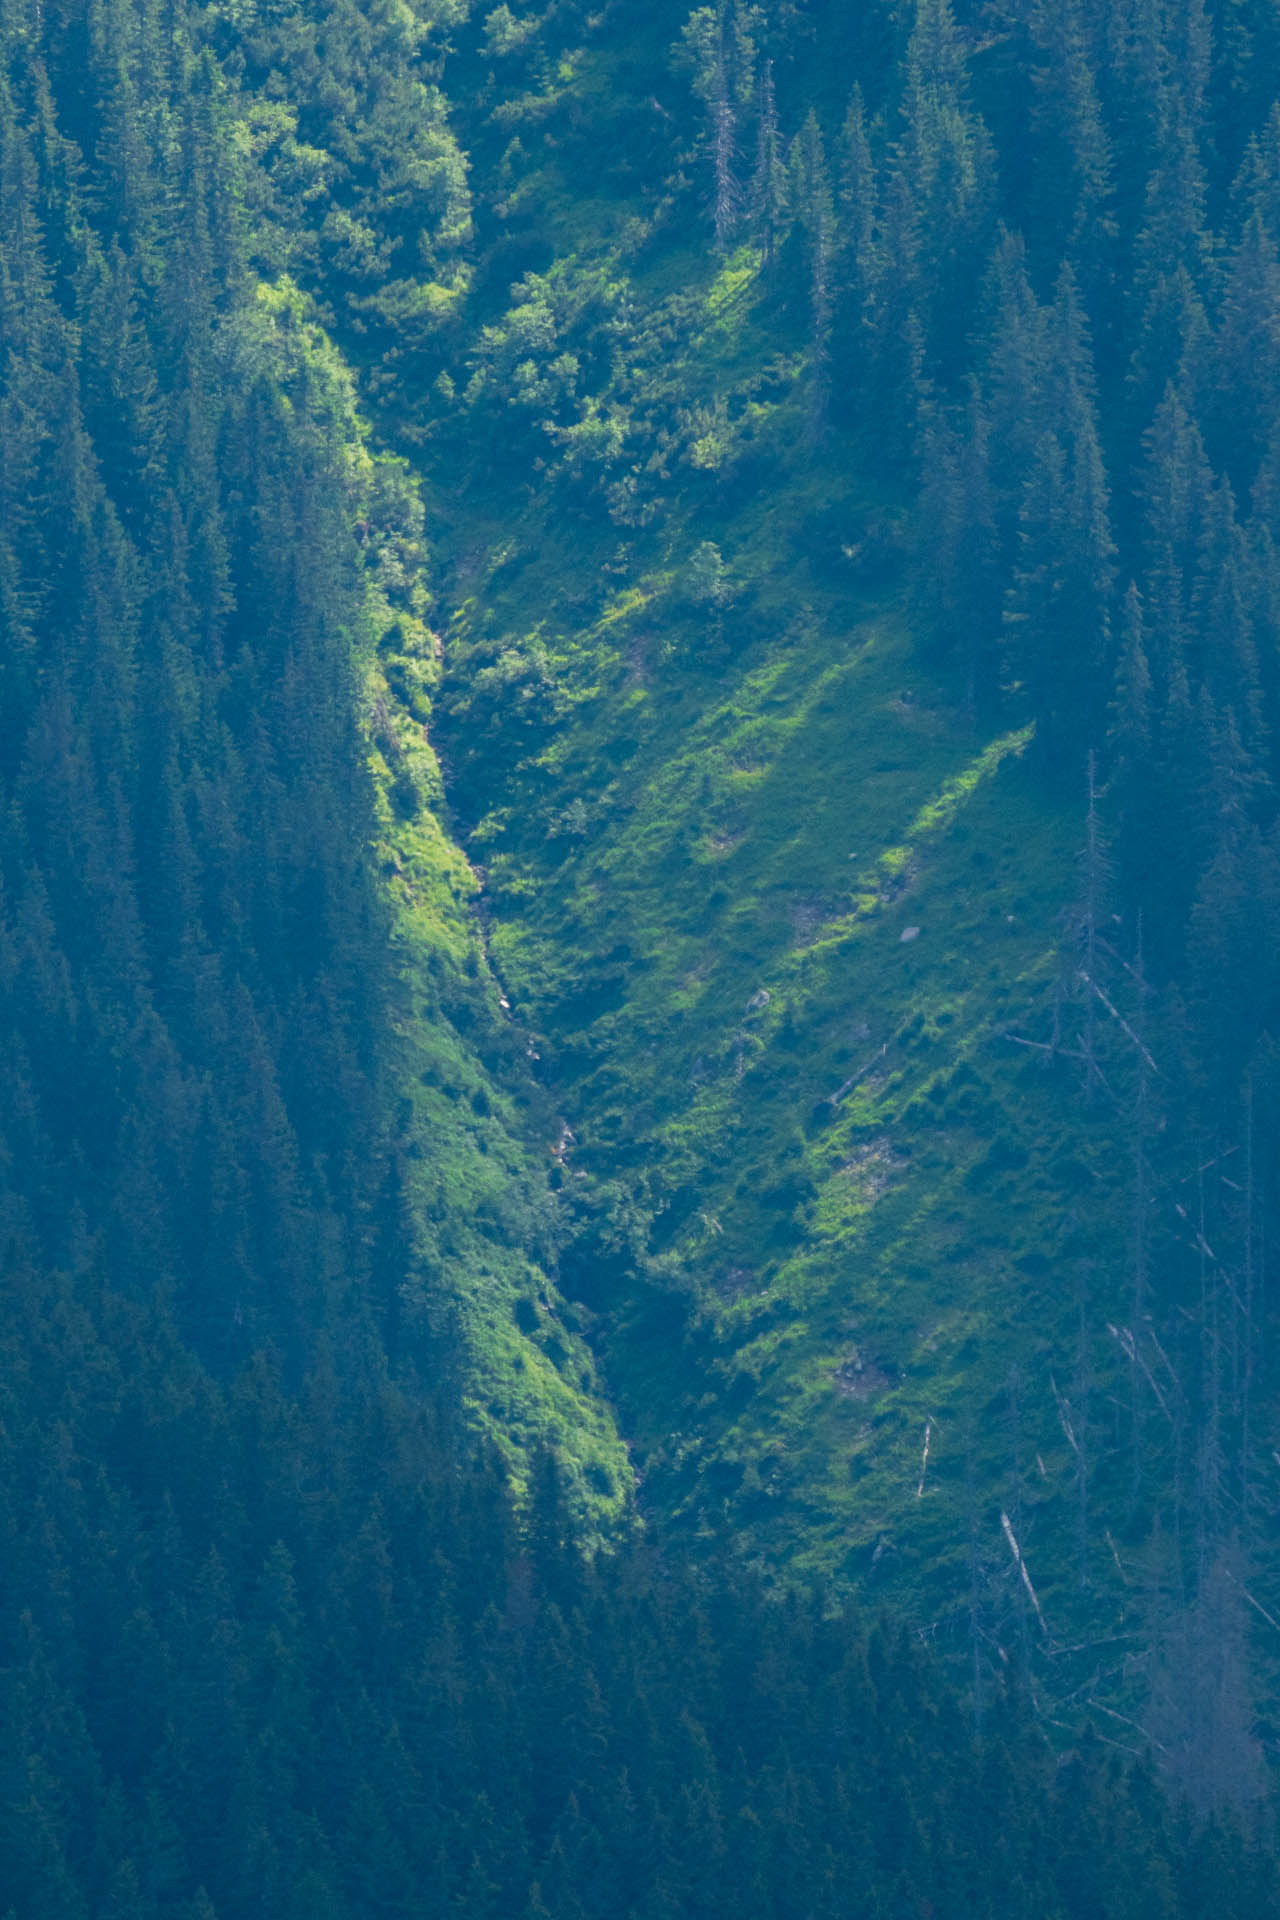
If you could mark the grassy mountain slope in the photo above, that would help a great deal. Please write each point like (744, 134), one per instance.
(718, 897)
(768, 899)
(481, 1236)
(769, 903)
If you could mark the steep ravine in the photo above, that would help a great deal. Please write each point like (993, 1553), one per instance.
(841, 1246)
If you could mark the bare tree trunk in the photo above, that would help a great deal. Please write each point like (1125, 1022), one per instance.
(1015, 1508)
(1141, 1126)
(1261, 1308)
(1209, 1452)
(1083, 1389)
(1094, 876)
(1247, 1382)
(1179, 1468)
(975, 1585)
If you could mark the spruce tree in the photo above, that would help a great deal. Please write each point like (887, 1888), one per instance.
(1057, 616)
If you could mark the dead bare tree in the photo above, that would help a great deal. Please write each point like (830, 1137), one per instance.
(768, 189)
(1209, 1453)
(1012, 1522)
(724, 140)
(1246, 1382)
(1079, 995)
(722, 54)
(1080, 1423)
(1141, 1202)
(1093, 874)
(975, 1582)
(1200, 1712)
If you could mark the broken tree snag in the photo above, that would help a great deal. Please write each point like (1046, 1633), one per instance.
(840, 1092)
(1119, 1018)
(1021, 1565)
(1129, 1347)
(1257, 1604)
(1064, 1416)
(1095, 873)
(1247, 1381)
(1054, 1050)
(924, 1457)
(1141, 1204)
(1116, 1557)
(1082, 1389)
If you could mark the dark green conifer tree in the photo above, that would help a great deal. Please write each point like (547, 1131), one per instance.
(1174, 488)
(1057, 617)
(1246, 355)
(1074, 168)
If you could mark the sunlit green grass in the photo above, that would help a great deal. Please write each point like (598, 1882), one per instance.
(767, 901)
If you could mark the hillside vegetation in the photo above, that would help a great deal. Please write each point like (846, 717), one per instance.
(856, 579)
(639, 887)
(848, 451)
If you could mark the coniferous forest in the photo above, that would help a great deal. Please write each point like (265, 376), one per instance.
(639, 960)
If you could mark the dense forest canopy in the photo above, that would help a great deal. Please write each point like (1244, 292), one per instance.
(720, 435)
